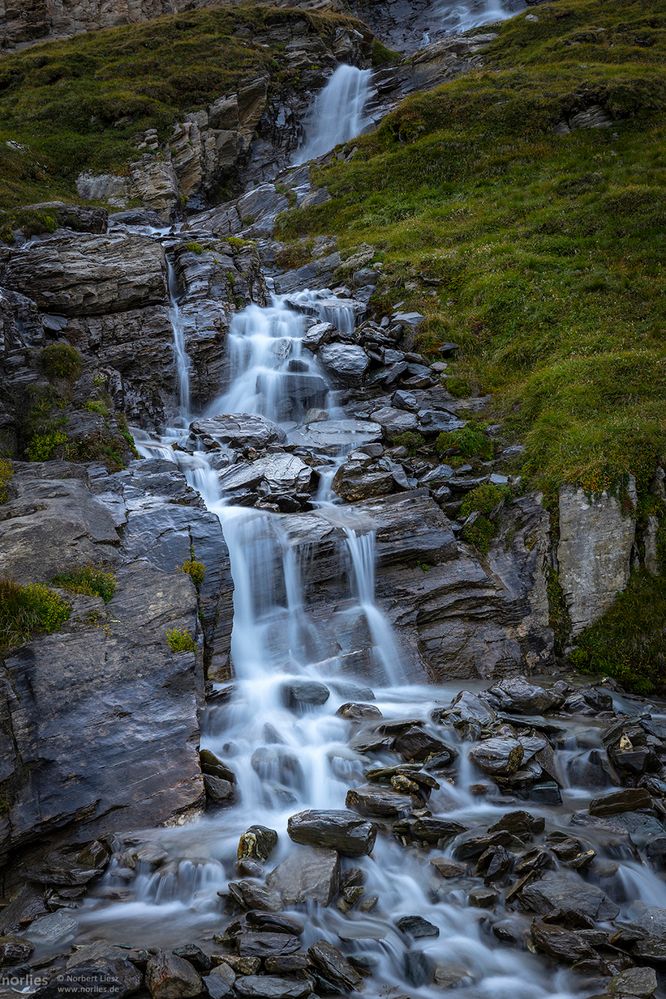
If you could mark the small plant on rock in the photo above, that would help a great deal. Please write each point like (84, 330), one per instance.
(42, 447)
(61, 360)
(181, 640)
(480, 506)
(88, 580)
(195, 570)
(470, 442)
(26, 611)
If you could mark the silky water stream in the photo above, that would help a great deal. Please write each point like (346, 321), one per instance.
(286, 760)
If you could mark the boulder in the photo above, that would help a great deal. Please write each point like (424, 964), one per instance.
(499, 757)
(113, 978)
(218, 790)
(237, 431)
(14, 950)
(562, 944)
(171, 977)
(518, 696)
(345, 362)
(303, 695)
(274, 473)
(358, 712)
(376, 803)
(79, 218)
(430, 830)
(629, 800)
(563, 892)
(639, 982)
(89, 275)
(270, 987)
(468, 713)
(307, 875)
(340, 830)
(394, 421)
(220, 982)
(417, 927)
(263, 944)
(333, 968)
(257, 842)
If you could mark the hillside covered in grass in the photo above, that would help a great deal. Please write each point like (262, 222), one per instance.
(535, 244)
(81, 104)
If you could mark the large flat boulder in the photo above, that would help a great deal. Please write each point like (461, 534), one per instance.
(89, 275)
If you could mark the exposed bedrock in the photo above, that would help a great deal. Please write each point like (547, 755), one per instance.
(100, 721)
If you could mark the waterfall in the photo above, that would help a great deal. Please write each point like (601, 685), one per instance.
(183, 364)
(337, 114)
(270, 373)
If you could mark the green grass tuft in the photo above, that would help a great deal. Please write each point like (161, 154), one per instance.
(6, 474)
(26, 611)
(180, 640)
(195, 570)
(89, 580)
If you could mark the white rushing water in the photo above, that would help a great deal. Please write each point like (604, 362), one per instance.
(182, 360)
(287, 758)
(337, 114)
(288, 755)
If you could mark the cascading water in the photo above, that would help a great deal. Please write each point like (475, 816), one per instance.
(182, 359)
(277, 727)
(269, 371)
(337, 114)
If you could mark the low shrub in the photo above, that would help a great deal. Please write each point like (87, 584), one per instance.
(43, 446)
(180, 640)
(195, 570)
(89, 580)
(61, 360)
(470, 442)
(28, 610)
(484, 499)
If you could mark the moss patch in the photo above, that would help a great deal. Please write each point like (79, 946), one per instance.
(544, 245)
(26, 611)
(61, 360)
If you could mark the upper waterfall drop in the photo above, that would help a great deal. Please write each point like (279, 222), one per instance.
(337, 114)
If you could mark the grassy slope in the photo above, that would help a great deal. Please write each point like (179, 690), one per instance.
(545, 251)
(79, 104)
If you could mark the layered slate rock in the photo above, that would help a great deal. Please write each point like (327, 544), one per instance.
(89, 275)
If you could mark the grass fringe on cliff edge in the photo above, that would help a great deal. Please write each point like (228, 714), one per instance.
(539, 250)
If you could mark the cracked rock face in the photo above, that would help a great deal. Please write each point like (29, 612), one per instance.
(100, 720)
(594, 551)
